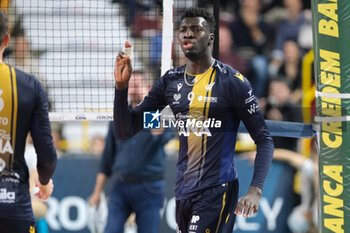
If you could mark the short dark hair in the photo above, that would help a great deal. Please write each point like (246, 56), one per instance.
(4, 26)
(200, 12)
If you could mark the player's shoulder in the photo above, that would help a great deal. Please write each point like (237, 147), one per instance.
(231, 75)
(175, 72)
(27, 81)
(20, 74)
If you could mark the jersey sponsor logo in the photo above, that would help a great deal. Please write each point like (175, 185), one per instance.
(195, 219)
(179, 86)
(14, 179)
(5, 144)
(209, 86)
(251, 97)
(151, 120)
(207, 99)
(2, 104)
(193, 228)
(253, 109)
(6, 196)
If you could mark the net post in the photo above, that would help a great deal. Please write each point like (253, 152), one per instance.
(167, 35)
(216, 6)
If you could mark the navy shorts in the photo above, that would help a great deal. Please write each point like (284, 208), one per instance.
(211, 211)
(16, 226)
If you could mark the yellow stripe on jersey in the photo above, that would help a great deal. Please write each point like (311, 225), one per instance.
(222, 210)
(15, 108)
(199, 110)
(8, 113)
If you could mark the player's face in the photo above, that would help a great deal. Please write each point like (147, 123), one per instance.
(194, 37)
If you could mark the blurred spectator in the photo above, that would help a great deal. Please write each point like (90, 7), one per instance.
(303, 218)
(250, 34)
(291, 69)
(155, 41)
(270, 4)
(21, 56)
(226, 52)
(57, 139)
(305, 33)
(133, 6)
(138, 166)
(278, 107)
(287, 30)
(97, 145)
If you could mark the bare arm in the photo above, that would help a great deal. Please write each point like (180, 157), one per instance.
(94, 200)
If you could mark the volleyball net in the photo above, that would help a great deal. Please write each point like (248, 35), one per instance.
(71, 47)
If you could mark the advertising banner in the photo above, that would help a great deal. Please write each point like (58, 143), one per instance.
(331, 35)
(75, 179)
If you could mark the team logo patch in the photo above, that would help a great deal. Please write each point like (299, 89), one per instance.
(151, 120)
(177, 97)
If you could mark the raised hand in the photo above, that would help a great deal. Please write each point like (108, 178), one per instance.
(122, 69)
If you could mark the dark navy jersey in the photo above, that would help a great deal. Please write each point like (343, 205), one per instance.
(208, 109)
(128, 158)
(23, 108)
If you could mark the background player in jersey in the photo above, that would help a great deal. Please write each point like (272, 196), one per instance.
(23, 108)
(204, 90)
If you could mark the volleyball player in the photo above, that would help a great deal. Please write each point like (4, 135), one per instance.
(204, 90)
(23, 108)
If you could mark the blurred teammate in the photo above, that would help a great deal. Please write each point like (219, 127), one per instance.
(208, 99)
(23, 108)
(138, 165)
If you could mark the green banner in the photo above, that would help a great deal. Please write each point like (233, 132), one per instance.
(331, 36)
